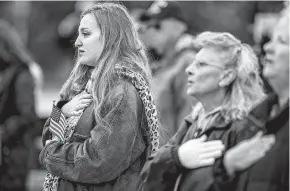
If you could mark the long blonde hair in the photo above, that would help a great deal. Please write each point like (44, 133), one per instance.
(122, 46)
(247, 89)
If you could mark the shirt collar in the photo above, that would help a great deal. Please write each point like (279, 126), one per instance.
(217, 112)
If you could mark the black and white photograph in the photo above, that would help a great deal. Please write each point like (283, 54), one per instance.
(165, 95)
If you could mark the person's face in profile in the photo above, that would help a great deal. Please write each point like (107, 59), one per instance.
(89, 42)
(204, 73)
(277, 52)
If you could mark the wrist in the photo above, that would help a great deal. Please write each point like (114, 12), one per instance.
(64, 111)
(179, 156)
(175, 156)
(61, 103)
(229, 164)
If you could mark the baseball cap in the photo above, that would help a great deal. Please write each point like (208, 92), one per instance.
(160, 10)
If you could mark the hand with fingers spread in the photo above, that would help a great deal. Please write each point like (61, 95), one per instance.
(247, 152)
(75, 106)
(197, 153)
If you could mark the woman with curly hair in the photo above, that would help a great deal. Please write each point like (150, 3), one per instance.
(224, 78)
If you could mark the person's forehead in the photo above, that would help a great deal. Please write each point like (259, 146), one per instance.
(88, 21)
(208, 54)
(282, 28)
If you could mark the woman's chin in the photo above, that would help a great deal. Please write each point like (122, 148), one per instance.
(85, 61)
(267, 73)
(190, 93)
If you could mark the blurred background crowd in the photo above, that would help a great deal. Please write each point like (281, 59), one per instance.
(37, 55)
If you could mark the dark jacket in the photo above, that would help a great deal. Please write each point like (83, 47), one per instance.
(271, 173)
(103, 158)
(162, 172)
(17, 119)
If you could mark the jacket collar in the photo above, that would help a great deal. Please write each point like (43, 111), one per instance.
(262, 111)
(219, 123)
(260, 115)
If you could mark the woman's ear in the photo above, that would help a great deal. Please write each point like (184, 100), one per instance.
(227, 77)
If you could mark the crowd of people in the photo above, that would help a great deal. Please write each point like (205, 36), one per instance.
(149, 106)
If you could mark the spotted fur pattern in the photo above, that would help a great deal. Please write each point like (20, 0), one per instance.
(147, 99)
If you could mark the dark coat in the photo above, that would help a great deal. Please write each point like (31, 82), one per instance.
(103, 158)
(161, 172)
(17, 119)
(271, 173)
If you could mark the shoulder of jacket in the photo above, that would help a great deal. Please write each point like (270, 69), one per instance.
(243, 126)
(123, 90)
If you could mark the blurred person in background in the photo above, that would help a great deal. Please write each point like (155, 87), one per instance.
(224, 77)
(251, 164)
(141, 23)
(20, 76)
(166, 34)
(104, 127)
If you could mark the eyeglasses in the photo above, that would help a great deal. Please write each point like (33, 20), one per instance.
(201, 64)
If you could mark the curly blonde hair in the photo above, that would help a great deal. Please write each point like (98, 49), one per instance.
(247, 89)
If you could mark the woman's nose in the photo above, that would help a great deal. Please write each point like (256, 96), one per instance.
(189, 70)
(268, 47)
(78, 42)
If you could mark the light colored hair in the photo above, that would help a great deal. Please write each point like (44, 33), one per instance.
(122, 47)
(246, 90)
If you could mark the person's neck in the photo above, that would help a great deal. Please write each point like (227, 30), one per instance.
(283, 96)
(282, 91)
(212, 101)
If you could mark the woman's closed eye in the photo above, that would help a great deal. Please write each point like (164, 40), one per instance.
(200, 64)
(281, 40)
(85, 34)
(203, 64)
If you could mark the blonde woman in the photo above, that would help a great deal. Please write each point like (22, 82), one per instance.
(224, 77)
(104, 127)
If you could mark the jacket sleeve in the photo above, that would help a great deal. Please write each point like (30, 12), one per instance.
(46, 134)
(107, 153)
(161, 170)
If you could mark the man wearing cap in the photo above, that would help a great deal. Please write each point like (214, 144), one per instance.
(166, 33)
